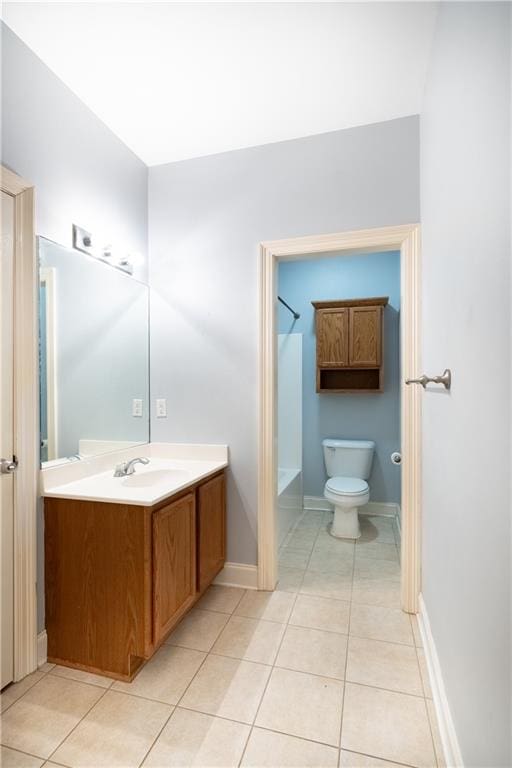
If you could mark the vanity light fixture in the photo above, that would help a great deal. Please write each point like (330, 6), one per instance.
(83, 241)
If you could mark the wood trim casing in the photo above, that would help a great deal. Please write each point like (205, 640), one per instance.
(405, 238)
(26, 423)
(338, 303)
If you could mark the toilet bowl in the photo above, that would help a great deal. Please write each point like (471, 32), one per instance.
(348, 464)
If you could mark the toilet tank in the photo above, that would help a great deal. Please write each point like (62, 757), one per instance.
(348, 458)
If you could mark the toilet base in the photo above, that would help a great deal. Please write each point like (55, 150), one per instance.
(345, 524)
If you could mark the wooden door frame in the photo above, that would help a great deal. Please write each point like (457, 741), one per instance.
(406, 239)
(26, 423)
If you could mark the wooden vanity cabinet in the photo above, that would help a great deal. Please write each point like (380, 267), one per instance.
(349, 345)
(119, 577)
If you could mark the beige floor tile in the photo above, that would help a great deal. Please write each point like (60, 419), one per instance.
(355, 760)
(376, 529)
(384, 665)
(327, 543)
(116, 733)
(45, 715)
(321, 613)
(46, 666)
(302, 705)
(267, 749)
(82, 677)
(302, 540)
(228, 688)
(434, 726)
(314, 651)
(379, 623)
(222, 599)
(293, 558)
(393, 726)
(376, 592)
(331, 562)
(17, 690)
(271, 606)
(418, 642)
(376, 550)
(10, 758)
(250, 639)
(371, 568)
(194, 739)
(333, 585)
(290, 579)
(198, 630)
(424, 673)
(166, 676)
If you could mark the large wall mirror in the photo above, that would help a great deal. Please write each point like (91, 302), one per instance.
(94, 355)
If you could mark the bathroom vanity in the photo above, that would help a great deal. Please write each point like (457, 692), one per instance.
(125, 559)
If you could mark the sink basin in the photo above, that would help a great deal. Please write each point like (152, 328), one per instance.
(156, 477)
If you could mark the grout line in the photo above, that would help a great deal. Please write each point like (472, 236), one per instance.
(346, 663)
(44, 674)
(105, 691)
(378, 757)
(173, 710)
(268, 679)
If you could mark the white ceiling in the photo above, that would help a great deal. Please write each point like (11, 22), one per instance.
(180, 80)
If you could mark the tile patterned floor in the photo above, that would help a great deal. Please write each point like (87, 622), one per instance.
(325, 672)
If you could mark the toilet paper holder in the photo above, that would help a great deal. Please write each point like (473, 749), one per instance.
(445, 379)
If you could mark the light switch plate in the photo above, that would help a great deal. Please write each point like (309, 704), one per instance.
(136, 407)
(161, 408)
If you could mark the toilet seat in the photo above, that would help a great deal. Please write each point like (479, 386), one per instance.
(346, 486)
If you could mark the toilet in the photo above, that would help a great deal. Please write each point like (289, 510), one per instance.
(348, 464)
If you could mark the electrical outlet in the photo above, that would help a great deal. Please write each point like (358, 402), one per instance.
(136, 407)
(161, 408)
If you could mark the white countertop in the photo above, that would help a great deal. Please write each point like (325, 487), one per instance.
(172, 468)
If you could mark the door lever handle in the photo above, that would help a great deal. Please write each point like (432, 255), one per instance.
(8, 466)
(445, 379)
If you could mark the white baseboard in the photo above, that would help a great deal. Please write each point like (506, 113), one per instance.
(451, 748)
(42, 648)
(372, 508)
(317, 503)
(238, 575)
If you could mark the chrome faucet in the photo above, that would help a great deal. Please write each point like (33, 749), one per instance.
(128, 468)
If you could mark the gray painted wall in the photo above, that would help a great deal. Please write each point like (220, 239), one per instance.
(465, 207)
(82, 172)
(206, 219)
(353, 417)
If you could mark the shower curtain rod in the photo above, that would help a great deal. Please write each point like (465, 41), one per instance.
(294, 313)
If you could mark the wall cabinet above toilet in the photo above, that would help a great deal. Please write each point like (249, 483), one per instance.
(349, 345)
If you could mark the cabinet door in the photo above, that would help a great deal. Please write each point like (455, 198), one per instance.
(365, 337)
(212, 529)
(174, 563)
(332, 337)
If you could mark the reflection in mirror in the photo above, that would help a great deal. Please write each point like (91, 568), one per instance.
(94, 355)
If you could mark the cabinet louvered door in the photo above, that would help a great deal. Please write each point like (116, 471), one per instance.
(174, 563)
(332, 338)
(365, 337)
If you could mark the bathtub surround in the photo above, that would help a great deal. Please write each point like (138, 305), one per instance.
(82, 172)
(465, 200)
(207, 217)
(290, 500)
(360, 416)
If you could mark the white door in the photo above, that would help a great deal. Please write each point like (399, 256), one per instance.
(6, 437)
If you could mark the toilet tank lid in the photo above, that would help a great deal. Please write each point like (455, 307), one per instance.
(348, 443)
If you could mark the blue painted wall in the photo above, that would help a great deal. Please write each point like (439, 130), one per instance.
(371, 417)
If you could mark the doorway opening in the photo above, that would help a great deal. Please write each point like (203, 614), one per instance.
(278, 489)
